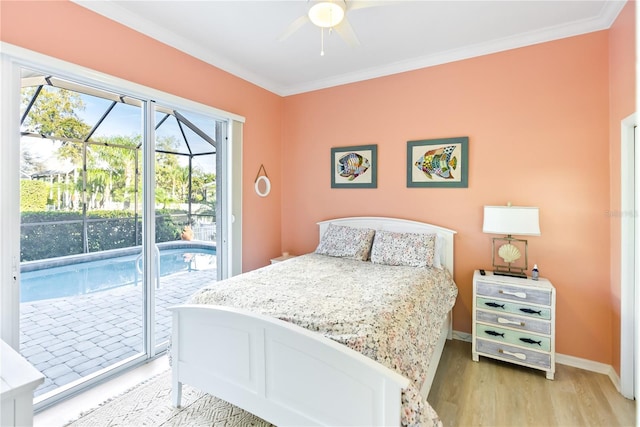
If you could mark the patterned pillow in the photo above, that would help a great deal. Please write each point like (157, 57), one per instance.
(346, 242)
(410, 249)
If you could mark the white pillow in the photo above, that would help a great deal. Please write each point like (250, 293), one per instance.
(409, 249)
(346, 242)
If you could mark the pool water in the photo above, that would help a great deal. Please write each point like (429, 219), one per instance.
(100, 275)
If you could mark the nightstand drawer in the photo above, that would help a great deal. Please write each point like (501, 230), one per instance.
(514, 308)
(503, 319)
(514, 293)
(521, 338)
(515, 354)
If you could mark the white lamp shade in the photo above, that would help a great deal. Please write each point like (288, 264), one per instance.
(511, 220)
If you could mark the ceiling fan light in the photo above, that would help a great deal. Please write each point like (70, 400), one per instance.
(326, 14)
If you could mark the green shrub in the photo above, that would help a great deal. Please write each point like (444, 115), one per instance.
(54, 234)
(33, 195)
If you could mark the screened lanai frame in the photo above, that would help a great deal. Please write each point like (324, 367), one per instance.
(192, 144)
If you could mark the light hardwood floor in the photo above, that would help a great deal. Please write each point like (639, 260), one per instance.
(464, 393)
(494, 393)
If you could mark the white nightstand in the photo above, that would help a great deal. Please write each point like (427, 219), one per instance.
(284, 257)
(514, 321)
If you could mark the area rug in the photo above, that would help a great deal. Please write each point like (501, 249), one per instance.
(149, 404)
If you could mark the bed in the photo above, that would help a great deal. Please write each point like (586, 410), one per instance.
(284, 343)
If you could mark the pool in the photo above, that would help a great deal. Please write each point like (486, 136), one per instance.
(96, 272)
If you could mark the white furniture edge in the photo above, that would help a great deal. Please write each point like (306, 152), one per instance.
(284, 373)
(18, 380)
(280, 372)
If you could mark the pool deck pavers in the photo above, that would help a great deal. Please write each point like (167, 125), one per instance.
(69, 338)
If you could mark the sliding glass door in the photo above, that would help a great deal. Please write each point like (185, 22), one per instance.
(81, 300)
(186, 196)
(118, 204)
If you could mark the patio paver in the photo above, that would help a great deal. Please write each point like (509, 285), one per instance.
(71, 337)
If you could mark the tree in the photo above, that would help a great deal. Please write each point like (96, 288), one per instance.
(112, 164)
(168, 171)
(202, 186)
(54, 114)
(115, 164)
(29, 164)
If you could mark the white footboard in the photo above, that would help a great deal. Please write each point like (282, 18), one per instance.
(278, 371)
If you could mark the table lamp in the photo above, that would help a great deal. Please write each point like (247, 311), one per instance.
(510, 220)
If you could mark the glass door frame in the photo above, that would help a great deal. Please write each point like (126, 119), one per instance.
(12, 60)
(149, 229)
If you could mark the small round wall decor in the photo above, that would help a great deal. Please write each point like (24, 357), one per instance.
(262, 184)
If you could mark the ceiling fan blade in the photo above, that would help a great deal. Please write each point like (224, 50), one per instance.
(345, 31)
(293, 27)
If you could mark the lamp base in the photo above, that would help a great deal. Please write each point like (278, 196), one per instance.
(510, 274)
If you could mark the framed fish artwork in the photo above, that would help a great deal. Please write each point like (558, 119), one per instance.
(354, 167)
(438, 162)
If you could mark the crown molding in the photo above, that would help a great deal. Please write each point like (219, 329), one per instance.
(605, 19)
(607, 16)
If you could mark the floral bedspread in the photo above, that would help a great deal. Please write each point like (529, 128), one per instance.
(391, 314)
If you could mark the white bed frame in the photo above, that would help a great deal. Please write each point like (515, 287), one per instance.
(286, 374)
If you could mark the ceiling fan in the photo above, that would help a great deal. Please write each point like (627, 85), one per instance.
(330, 14)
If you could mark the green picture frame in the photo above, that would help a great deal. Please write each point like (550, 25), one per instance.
(438, 162)
(354, 167)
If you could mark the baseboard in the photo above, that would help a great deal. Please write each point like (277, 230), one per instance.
(564, 359)
(461, 336)
(590, 365)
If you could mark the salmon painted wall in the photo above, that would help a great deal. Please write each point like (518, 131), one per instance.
(622, 83)
(537, 119)
(72, 33)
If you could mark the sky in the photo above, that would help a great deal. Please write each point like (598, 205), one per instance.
(126, 120)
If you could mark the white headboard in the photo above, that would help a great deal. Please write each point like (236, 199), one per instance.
(399, 225)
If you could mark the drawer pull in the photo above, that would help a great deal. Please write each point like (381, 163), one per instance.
(495, 305)
(494, 333)
(515, 294)
(530, 311)
(516, 355)
(530, 341)
(509, 322)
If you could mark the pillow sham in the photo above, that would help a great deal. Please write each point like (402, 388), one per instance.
(346, 242)
(408, 249)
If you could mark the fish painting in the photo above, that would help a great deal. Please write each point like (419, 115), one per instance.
(530, 311)
(494, 333)
(530, 341)
(352, 165)
(439, 162)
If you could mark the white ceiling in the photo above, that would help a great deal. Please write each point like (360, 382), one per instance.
(242, 37)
